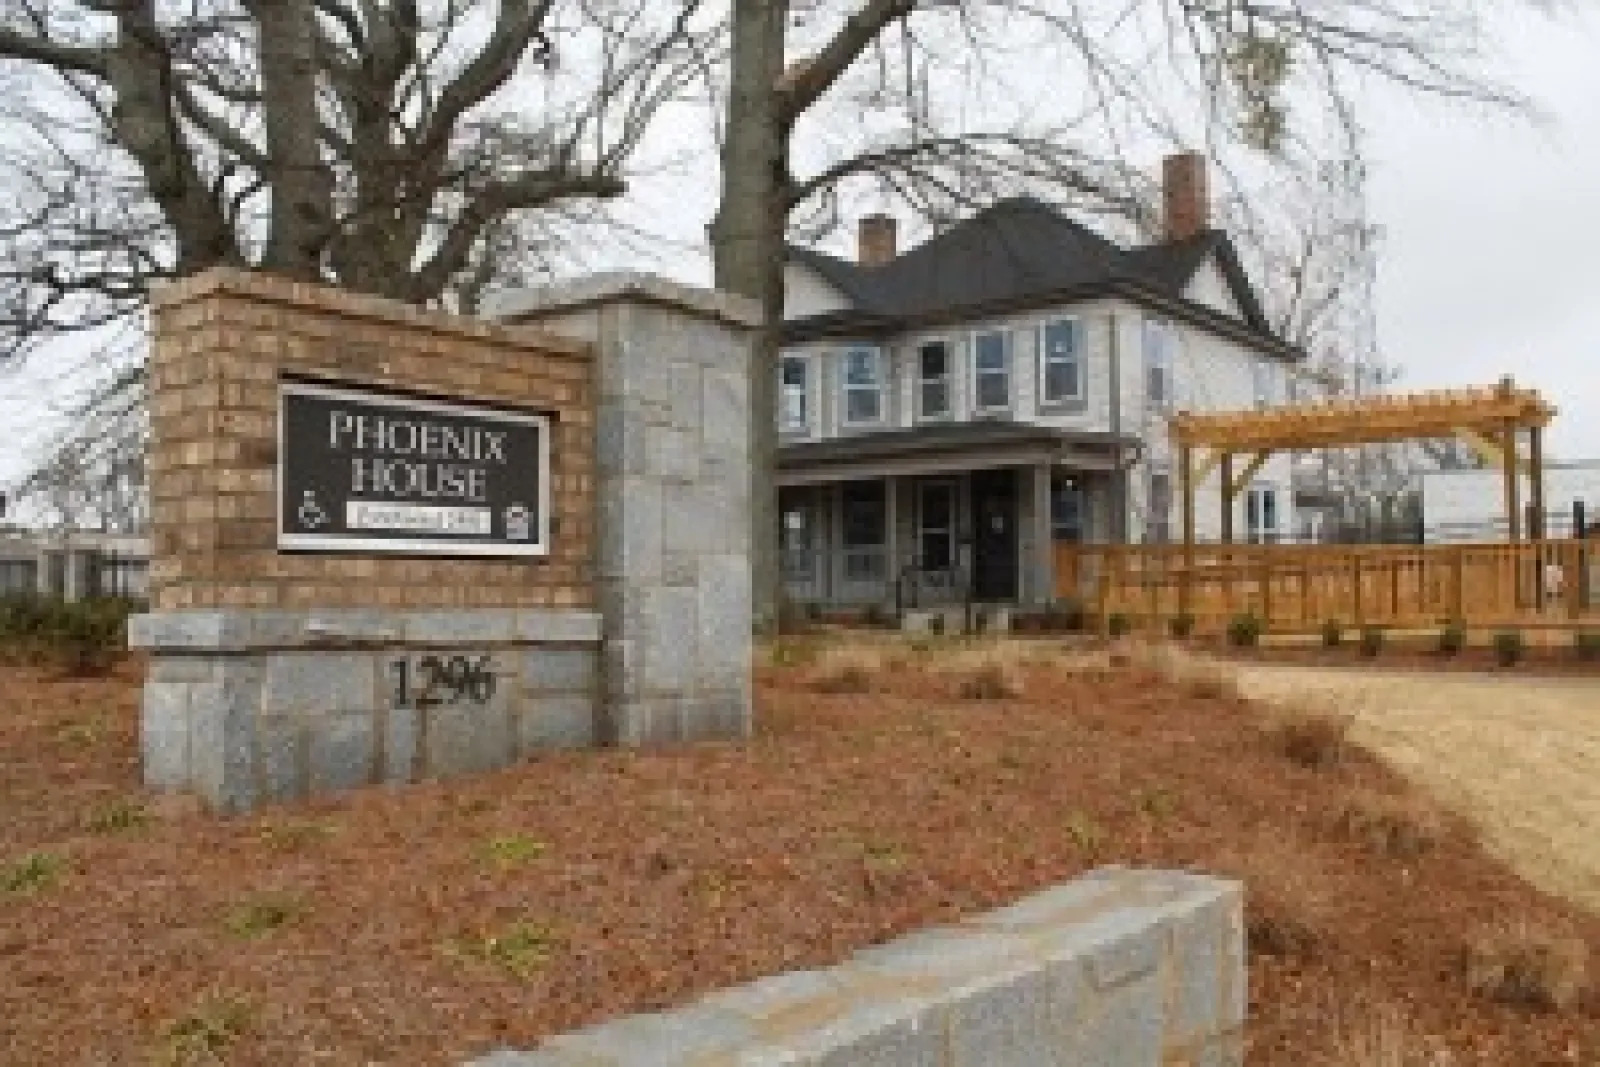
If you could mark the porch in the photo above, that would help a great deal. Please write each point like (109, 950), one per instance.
(891, 521)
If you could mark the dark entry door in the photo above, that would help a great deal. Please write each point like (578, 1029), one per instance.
(994, 535)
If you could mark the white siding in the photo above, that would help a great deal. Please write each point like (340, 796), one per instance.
(1470, 505)
(1210, 287)
(1210, 374)
(805, 293)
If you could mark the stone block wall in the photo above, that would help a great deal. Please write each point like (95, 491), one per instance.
(253, 707)
(1120, 968)
(222, 342)
(672, 562)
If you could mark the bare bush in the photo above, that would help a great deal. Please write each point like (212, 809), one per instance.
(1521, 962)
(1313, 737)
(1399, 827)
(993, 680)
(846, 671)
(1287, 904)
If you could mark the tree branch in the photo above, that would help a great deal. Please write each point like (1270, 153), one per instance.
(57, 56)
(804, 83)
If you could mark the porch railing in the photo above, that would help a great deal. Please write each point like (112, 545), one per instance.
(1299, 587)
(860, 576)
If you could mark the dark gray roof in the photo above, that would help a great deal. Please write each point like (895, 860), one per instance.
(941, 437)
(1023, 251)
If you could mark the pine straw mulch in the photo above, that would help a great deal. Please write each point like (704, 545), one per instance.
(430, 923)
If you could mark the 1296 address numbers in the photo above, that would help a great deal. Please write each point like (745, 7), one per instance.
(432, 681)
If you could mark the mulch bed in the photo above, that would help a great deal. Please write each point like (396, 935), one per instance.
(430, 923)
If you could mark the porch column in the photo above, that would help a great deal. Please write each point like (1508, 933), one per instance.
(1042, 579)
(1226, 536)
(891, 537)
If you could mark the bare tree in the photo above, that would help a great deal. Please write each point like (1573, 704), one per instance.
(412, 150)
(1266, 74)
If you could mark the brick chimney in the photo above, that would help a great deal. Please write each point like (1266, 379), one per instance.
(1188, 199)
(876, 240)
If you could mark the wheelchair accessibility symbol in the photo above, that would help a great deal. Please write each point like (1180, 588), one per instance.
(311, 515)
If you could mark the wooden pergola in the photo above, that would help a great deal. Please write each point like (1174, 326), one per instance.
(1489, 420)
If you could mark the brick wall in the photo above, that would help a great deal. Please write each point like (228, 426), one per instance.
(222, 341)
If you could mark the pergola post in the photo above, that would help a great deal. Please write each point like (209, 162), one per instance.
(1508, 461)
(1536, 482)
(1226, 536)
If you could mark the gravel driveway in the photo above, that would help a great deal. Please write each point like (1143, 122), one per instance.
(1520, 756)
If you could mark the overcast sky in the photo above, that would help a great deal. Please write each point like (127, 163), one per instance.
(1490, 262)
(1491, 256)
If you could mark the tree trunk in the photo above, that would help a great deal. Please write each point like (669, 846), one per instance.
(747, 241)
(302, 184)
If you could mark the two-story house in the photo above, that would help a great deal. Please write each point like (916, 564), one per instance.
(949, 413)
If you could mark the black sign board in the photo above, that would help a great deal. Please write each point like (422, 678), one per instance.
(367, 471)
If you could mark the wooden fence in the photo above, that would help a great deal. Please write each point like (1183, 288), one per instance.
(1296, 588)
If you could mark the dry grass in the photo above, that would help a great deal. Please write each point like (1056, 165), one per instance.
(1399, 827)
(1197, 676)
(841, 671)
(1288, 907)
(994, 680)
(1519, 962)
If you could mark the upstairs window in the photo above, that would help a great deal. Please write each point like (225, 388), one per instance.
(991, 371)
(1160, 349)
(863, 386)
(1061, 362)
(933, 380)
(794, 396)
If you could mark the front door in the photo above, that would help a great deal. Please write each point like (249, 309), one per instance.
(994, 535)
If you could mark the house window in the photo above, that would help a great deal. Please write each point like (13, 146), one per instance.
(796, 533)
(936, 534)
(933, 380)
(795, 412)
(1066, 509)
(991, 366)
(863, 386)
(1061, 362)
(1160, 345)
(1158, 528)
(1261, 515)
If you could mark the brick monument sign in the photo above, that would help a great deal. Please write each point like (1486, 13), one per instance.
(391, 545)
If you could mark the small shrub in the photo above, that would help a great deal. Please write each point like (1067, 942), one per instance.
(519, 950)
(513, 850)
(1509, 647)
(291, 835)
(1314, 739)
(1244, 631)
(793, 617)
(1586, 645)
(1520, 963)
(30, 874)
(261, 916)
(1208, 681)
(1180, 626)
(993, 680)
(1118, 624)
(1396, 827)
(1371, 641)
(115, 817)
(936, 624)
(1332, 634)
(1085, 833)
(204, 1034)
(1452, 639)
(875, 615)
